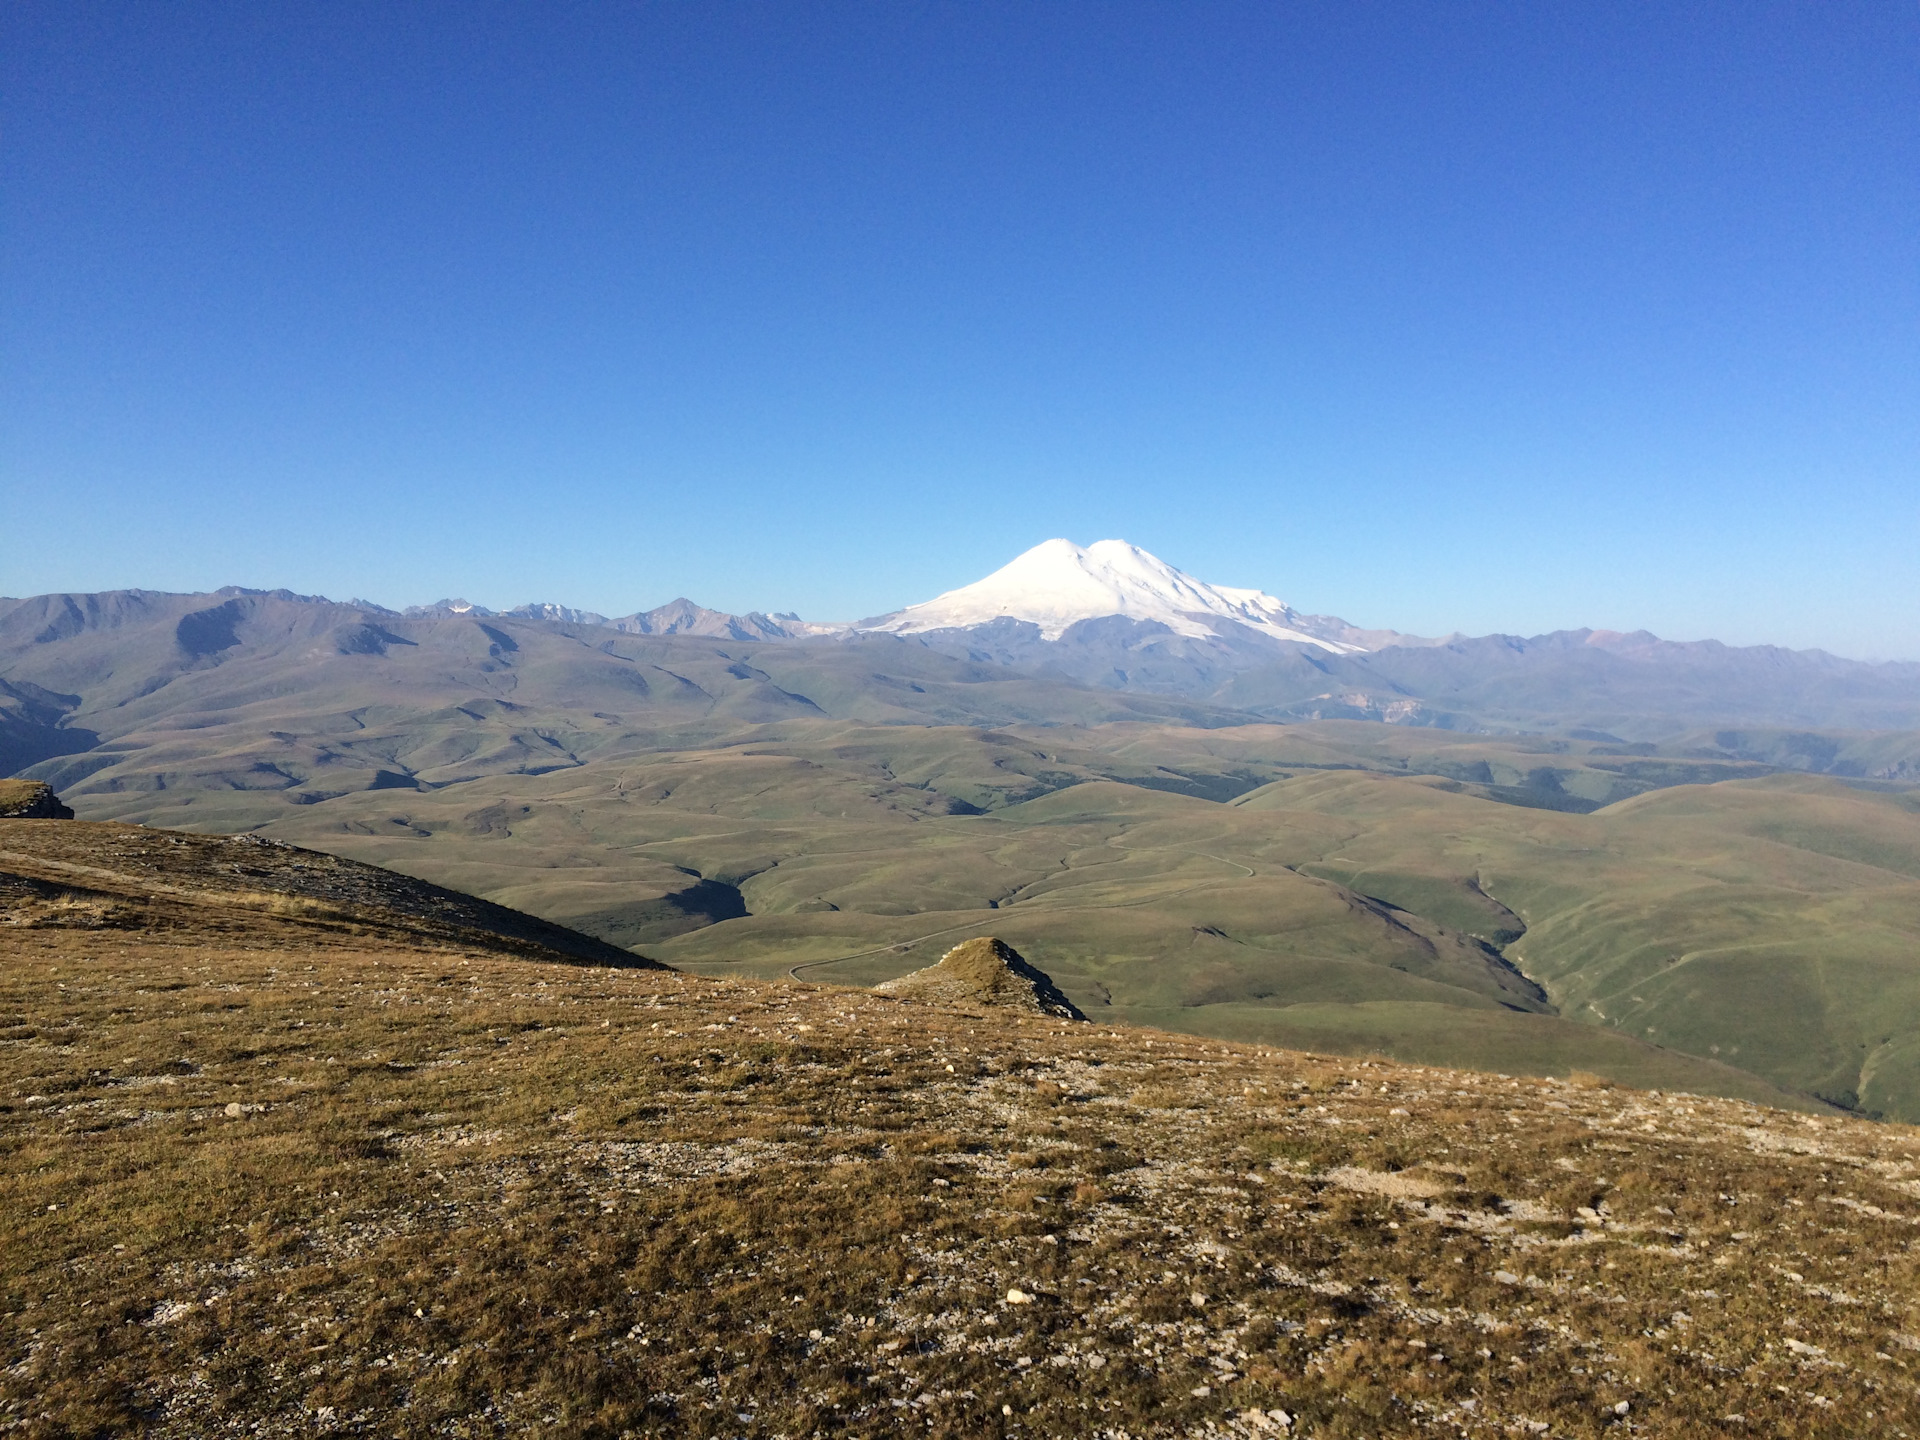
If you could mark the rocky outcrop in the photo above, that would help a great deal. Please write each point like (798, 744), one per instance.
(985, 972)
(30, 800)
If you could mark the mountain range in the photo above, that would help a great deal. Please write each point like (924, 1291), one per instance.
(1107, 618)
(1054, 586)
(676, 617)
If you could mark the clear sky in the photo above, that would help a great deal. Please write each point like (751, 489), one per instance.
(1430, 315)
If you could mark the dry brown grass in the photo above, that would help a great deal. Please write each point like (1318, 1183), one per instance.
(261, 1175)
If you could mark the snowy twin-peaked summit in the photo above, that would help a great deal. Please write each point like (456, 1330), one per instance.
(1053, 586)
(1057, 584)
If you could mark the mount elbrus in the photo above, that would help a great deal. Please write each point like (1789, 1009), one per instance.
(1108, 616)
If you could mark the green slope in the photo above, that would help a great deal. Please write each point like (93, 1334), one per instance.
(1680, 919)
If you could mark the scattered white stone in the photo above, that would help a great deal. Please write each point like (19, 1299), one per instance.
(1019, 1297)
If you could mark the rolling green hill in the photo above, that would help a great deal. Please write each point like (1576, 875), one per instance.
(1347, 909)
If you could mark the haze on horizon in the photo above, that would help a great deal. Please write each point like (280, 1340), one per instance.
(1488, 318)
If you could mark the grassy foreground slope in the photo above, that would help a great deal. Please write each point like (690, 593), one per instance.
(260, 1176)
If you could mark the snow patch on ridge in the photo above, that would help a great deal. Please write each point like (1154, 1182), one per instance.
(1058, 583)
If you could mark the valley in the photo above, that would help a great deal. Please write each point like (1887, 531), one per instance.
(1343, 909)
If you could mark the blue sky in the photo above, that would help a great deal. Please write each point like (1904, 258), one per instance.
(1438, 316)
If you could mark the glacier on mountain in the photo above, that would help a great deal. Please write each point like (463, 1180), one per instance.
(1057, 583)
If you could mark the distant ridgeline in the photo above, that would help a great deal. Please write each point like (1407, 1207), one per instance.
(275, 692)
(1236, 657)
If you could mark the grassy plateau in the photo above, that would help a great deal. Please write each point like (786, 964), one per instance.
(1368, 910)
(292, 1148)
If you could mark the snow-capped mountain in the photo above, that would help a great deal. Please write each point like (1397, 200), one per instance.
(1029, 604)
(1057, 584)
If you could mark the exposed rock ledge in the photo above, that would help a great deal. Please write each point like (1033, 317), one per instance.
(985, 972)
(30, 800)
